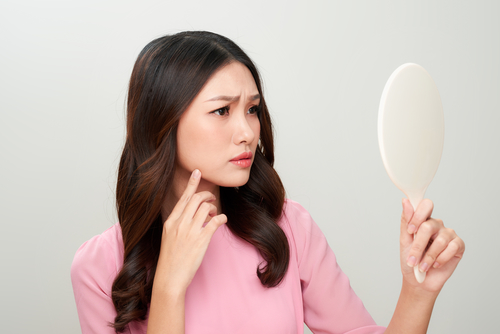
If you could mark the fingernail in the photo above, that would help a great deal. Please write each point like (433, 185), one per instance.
(424, 267)
(411, 261)
(436, 265)
(196, 174)
(412, 228)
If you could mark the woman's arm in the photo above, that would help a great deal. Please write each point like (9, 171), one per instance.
(413, 311)
(436, 250)
(166, 313)
(183, 246)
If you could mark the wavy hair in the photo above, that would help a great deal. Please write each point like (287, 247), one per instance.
(168, 74)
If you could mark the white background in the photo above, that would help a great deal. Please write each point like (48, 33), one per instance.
(64, 67)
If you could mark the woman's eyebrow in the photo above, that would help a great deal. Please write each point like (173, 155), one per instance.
(232, 98)
(254, 97)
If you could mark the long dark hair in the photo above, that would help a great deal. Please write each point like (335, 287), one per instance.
(168, 74)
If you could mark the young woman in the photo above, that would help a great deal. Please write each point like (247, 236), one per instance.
(206, 242)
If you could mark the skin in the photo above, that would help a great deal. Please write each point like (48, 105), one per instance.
(416, 300)
(222, 123)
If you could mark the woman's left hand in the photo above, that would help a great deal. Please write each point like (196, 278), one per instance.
(436, 250)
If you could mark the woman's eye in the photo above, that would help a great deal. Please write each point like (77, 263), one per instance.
(254, 110)
(222, 111)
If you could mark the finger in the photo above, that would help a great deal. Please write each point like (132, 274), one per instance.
(422, 214)
(407, 213)
(194, 204)
(203, 214)
(405, 238)
(455, 249)
(425, 233)
(190, 190)
(214, 224)
(438, 245)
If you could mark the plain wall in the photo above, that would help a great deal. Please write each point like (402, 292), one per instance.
(64, 72)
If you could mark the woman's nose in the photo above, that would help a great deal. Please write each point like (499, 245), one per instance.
(243, 132)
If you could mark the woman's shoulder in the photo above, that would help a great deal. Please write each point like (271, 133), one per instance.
(297, 218)
(101, 256)
(300, 228)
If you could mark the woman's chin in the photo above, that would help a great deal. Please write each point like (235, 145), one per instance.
(235, 181)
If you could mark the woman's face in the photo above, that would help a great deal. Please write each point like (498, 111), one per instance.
(219, 131)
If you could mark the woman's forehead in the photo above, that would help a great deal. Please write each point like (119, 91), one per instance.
(230, 82)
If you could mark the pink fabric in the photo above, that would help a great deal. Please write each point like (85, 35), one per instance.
(226, 296)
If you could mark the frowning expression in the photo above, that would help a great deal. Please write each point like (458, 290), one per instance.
(219, 131)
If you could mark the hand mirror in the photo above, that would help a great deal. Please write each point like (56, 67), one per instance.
(411, 132)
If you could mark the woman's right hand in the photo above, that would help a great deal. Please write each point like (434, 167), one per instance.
(184, 242)
(184, 239)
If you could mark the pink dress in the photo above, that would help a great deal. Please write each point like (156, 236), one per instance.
(226, 296)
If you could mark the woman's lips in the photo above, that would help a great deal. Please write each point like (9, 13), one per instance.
(243, 160)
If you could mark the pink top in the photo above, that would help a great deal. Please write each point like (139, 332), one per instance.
(226, 295)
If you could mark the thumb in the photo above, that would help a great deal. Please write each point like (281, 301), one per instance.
(405, 237)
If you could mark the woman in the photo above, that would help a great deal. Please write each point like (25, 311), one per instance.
(207, 242)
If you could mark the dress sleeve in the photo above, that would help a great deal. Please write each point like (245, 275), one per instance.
(330, 304)
(92, 274)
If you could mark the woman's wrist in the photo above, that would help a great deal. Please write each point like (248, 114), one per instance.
(166, 310)
(164, 285)
(417, 294)
(413, 311)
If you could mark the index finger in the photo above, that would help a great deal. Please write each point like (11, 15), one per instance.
(422, 214)
(406, 216)
(190, 190)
